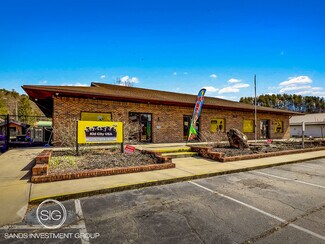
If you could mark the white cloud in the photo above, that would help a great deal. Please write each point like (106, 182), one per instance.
(228, 98)
(127, 80)
(301, 85)
(130, 79)
(240, 85)
(211, 89)
(103, 76)
(233, 89)
(228, 89)
(311, 93)
(180, 73)
(214, 76)
(74, 84)
(318, 93)
(297, 88)
(233, 80)
(42, 82)
(292, 81)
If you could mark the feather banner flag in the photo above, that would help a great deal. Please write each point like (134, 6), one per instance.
(196, 114)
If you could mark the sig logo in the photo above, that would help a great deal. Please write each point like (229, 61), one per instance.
(51, 217)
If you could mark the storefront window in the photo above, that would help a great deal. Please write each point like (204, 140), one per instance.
(248, 125)
(217, 125)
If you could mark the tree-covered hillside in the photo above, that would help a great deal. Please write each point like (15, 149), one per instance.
(298, 103)
(11, 102)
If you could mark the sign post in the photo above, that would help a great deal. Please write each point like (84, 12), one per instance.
(77, 144)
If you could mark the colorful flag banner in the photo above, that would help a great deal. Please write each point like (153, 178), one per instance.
(196, 114)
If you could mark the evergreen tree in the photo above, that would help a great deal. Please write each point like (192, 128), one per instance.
(298, 103)
(3, 106)
(25, 110)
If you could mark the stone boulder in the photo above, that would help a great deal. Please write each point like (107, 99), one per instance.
(237, 139)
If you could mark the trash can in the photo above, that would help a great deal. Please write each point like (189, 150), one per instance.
(3, 143)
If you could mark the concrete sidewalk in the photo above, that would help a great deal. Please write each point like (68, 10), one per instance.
(186, 169)
(14, 186)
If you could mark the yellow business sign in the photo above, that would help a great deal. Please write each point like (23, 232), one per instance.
(100, 132)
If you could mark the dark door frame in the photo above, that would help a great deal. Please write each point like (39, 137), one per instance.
(265, 122)
(138, 114)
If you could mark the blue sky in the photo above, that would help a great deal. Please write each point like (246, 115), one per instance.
(169, 45)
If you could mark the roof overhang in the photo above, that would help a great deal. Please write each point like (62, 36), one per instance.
(43, 97)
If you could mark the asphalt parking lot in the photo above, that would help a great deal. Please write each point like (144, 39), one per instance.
(284, 204)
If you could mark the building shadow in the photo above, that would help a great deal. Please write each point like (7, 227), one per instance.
(28, 168)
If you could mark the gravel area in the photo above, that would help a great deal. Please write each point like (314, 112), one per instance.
(64, 162)
(264, 148)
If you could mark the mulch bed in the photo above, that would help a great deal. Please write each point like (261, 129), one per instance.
(65, 162)
(261, 148)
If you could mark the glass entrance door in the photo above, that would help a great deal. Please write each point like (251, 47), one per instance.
(265, 129)
(144, 122)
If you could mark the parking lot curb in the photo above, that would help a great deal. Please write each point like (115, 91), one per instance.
(79, 194)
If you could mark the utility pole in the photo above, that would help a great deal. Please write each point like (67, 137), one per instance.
(16, 110)
(255, 101)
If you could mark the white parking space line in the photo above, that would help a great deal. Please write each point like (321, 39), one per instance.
(261, 211)
(82, 224)
(308, 166)
(284, 178)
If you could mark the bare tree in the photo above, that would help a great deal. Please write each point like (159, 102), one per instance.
(65, 134)
(127, 81)
(212, 139)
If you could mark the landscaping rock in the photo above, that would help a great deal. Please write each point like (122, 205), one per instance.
(237, 139)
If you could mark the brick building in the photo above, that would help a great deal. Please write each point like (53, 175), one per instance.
(161, 116)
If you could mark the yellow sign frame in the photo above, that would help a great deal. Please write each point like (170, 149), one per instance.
(93, 132)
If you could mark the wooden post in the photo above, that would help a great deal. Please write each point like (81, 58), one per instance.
(77, 145)
(122, 144)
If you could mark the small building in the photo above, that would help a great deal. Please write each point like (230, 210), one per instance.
(160, 116)
(314, 125)
(16, 128)
(41, 132)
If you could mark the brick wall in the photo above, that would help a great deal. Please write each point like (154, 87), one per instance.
(168, 118)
